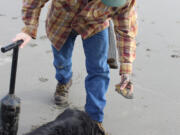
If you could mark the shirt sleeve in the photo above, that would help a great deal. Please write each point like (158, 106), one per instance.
(30, 15)
(125, 25)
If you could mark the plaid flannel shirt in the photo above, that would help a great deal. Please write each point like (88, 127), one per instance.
(87, 18)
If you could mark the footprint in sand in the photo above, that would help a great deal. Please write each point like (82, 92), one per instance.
(4, 61)
(33, 127)
(148, 50)
(78, 77)
(2, 15)
(159, 34)
(148, 54)
(43, 119)
(33, 45)
(14, 18)
(43, 37)
(10, 55)
(42, 79)
(133, 75)
(49, 51)
(175, 56)
(176, 51)
(145, 106)
(139, 69)
(152, 22)
(138, 44)
(142, 20)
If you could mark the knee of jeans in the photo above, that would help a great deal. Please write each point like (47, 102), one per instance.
(62, 65)
(97, 68)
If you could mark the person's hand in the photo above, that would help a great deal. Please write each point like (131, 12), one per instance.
(125, 87)
(125, 78)
(22, 36)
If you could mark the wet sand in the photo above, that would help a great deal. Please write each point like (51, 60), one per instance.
(155, 109)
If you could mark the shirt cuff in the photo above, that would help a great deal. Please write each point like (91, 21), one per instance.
(125, 68)
(30, 30)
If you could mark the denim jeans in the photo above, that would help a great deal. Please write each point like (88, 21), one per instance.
(97, 80)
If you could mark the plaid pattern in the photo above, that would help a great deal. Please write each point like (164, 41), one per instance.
(87, 19)
(126, 68)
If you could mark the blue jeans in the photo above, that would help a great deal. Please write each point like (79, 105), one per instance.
(97, 80)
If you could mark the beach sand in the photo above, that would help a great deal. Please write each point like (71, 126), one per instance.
(155, 109)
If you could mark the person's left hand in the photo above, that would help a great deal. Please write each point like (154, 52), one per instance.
(22, 36)
(125, 87)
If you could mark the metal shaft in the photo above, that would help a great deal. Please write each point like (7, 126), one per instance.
(13, 70)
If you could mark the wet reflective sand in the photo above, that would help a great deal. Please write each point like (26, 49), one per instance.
(155, 109)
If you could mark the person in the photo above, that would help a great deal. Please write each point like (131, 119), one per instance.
(68, 18)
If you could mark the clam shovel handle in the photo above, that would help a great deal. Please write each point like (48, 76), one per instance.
(11, 46)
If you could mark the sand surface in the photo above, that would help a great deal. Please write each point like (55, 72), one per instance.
(155, 109)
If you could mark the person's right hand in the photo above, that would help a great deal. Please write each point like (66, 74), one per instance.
(125, 87)
(22, 36)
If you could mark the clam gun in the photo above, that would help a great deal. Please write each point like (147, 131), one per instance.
(10, 104)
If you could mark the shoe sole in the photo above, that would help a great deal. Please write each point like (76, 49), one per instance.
(61, 104)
